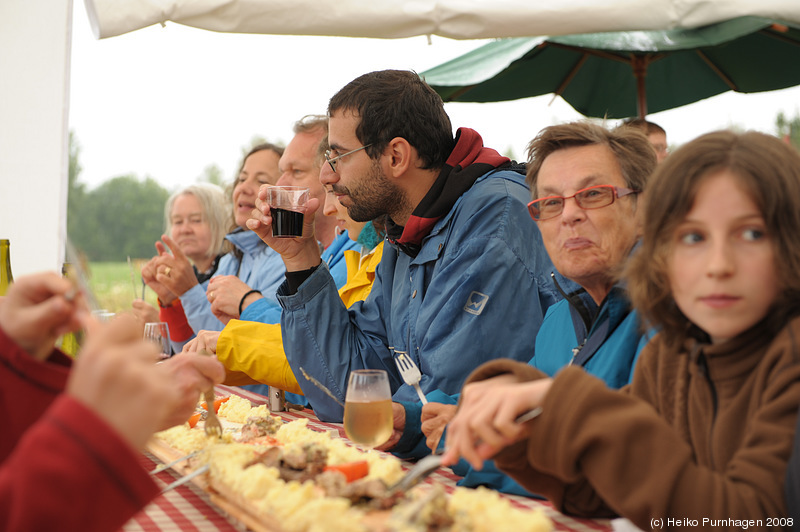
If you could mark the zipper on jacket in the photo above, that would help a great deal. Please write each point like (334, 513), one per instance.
(579, 307)
(577, 350)
(702, 364)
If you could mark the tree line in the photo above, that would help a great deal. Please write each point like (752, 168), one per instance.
(122, 217)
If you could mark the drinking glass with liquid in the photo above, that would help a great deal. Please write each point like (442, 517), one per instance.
(368, 407)
(287, 205)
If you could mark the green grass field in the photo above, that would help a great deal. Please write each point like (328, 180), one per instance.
(112, 285)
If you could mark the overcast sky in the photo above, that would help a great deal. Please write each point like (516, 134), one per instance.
(166, 102)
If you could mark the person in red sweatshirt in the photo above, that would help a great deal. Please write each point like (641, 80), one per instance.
(71, 430)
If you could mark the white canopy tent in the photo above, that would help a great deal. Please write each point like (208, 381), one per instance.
(35, 37)
(35, 40)
(455, 19)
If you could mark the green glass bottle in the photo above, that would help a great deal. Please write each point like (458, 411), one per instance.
(5, 266)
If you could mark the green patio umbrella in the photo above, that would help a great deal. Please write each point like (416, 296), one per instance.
(622, 74)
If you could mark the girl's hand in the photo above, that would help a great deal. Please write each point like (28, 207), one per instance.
(485, 421)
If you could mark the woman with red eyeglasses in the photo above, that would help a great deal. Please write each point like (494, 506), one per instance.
(586, 180)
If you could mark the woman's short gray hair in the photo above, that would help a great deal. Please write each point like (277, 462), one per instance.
(216, 211)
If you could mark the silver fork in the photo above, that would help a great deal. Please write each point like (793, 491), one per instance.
(164, 467)
(184, 479)
(432, 462)
(410, 372)
(212, 425)
(419, 472)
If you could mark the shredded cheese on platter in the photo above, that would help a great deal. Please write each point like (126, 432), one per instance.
(252, 489)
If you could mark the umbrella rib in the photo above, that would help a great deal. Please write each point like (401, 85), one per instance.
(571, 74)
(773, 33)
(457, 94)
(717, 71)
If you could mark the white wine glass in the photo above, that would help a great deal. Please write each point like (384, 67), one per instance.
(158, 333)
(368, 407)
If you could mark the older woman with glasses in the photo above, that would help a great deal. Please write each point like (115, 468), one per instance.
(586, 182)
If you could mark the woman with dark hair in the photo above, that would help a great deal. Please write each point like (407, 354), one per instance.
(702, 435)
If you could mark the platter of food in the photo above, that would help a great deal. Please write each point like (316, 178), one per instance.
(277, 476)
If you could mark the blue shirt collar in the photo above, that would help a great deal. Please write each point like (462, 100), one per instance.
(245, 240)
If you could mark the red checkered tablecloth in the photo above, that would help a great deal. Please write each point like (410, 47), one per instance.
(190, 508)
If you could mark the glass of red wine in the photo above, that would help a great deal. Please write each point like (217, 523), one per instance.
(287, 206)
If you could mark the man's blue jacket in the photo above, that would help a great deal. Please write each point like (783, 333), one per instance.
(477, 290)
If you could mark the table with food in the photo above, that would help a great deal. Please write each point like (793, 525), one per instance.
(289, 472)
